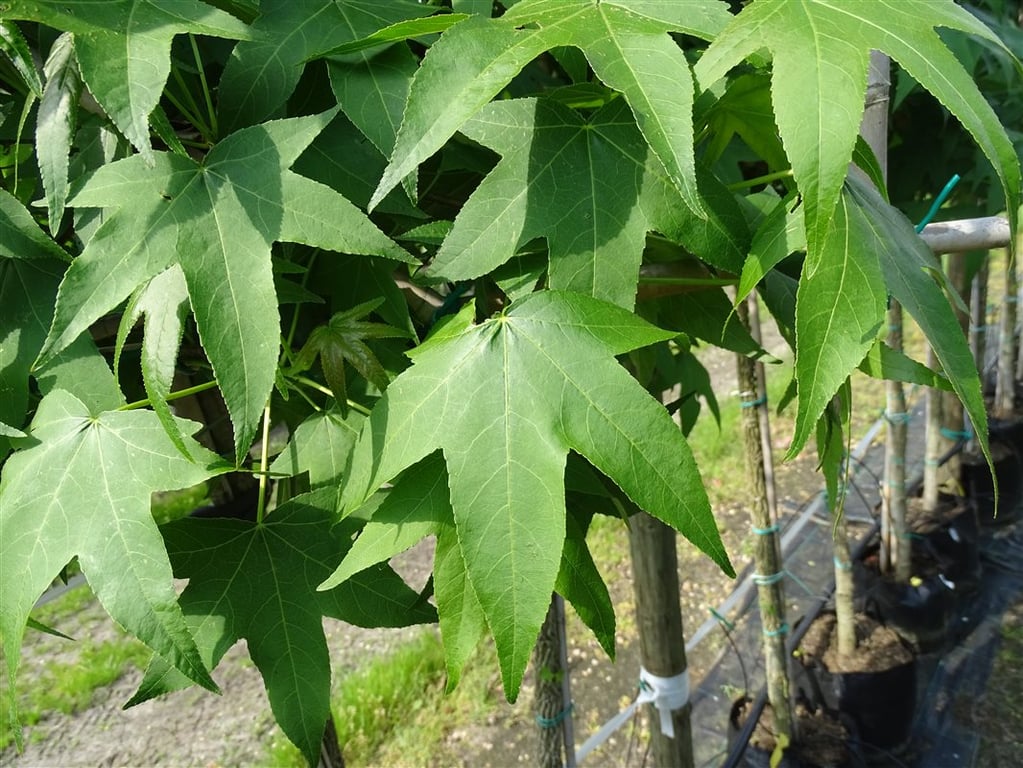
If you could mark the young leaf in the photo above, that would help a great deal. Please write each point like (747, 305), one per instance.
(618, 192)
(217, 220)
(83, 488)
(55, 125)
(123, 49)
(343, 339)
(506, 401)
(820, 52)
(262, 74)
(258, 582)
(626, 42)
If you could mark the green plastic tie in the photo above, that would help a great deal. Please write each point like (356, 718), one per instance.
(942, 196)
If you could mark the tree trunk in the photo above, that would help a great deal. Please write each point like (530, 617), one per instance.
(330, 748)
(1005, 384)
(953, 423)
(845, 617)
(895, 544)
(552, 714)
(767, 555)
(659, 618)
(933, 447)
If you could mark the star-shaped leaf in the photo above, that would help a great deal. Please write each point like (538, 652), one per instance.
(341, 339)
(615, 189)
(258, 581)
(123, 48)
(216, 219)
(82, 487)
(820, 52)
(262, 74)
(506, 401)
(625, 41)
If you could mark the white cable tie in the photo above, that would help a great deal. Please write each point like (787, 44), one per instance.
(667, 694)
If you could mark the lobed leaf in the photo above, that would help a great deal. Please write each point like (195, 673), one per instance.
(82, 488)
(217, 220)
(506, 401)
(257, 581)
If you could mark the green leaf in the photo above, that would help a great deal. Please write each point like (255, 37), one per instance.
(840, 305)
(780, 233)
(707, 314)
(20, 236)
(506, 401)
(579, 582)
(820, 54)
(216, 220)
(82, 488)
(261, 74)
(744, 110)
(617, 192)
(55, 125)
(462, 622)
(912, 274)
(164, 302)
(416, 507)
(14, 46)
(123, 49)
(883, 362)
(320, 446)
(257, 582)
(27, 293)
(6, 430)
(626, 43)
(403, 30)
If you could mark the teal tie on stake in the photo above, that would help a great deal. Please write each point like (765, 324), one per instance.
(938, 201)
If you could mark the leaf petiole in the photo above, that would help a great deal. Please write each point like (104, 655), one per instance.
(326, 391)
(172, 396)
(765, 179)
(264, 457)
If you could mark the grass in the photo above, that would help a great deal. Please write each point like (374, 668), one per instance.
(395, 709)
(67, 674)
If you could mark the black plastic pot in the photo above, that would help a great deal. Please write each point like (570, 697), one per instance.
(881, 704)
(955, 549)
(1008, 469)
(757, 757)
(921, 611)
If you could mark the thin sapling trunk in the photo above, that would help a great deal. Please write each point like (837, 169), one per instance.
(767, 555)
